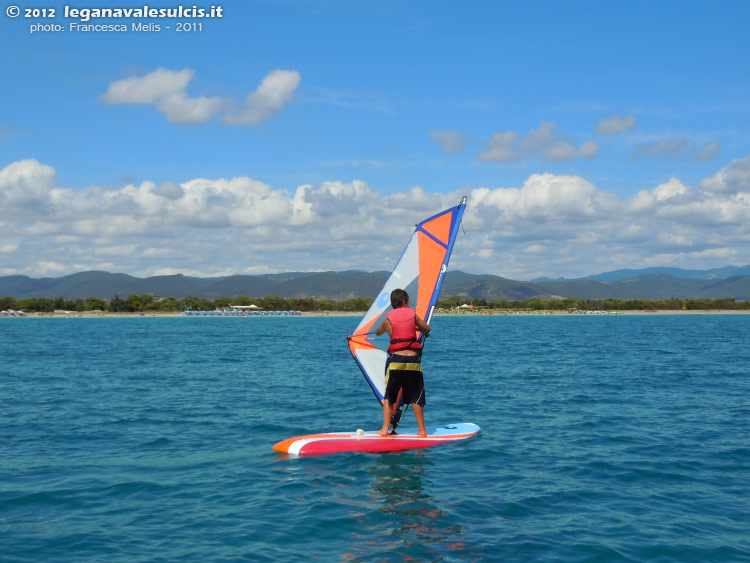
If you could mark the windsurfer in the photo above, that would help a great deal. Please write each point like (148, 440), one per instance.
(403, 369)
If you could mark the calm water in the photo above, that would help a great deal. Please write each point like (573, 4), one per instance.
(604, 439)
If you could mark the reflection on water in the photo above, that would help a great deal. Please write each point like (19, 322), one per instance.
(403, 519)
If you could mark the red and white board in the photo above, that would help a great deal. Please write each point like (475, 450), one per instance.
(370, 442)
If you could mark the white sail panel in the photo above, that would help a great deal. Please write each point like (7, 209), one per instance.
(403, 275)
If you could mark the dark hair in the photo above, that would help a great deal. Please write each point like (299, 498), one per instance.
(398, 296)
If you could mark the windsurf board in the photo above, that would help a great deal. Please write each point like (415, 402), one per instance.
(370, 442)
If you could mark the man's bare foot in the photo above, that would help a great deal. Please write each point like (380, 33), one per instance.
(423, 434)
(382, 432)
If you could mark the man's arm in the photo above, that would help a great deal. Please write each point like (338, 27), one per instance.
(423, 327)
(385, 326)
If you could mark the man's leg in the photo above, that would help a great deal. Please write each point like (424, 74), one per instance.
(419, 414)
(387, 412)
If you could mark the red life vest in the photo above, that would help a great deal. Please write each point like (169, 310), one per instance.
(403, 330)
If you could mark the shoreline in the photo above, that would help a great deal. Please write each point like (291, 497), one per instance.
(495, 313)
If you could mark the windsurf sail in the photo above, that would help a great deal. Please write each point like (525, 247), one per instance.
(419, 271)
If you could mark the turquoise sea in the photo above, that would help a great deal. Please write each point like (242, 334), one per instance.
(604, 439)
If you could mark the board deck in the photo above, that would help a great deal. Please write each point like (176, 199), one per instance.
(360, 441)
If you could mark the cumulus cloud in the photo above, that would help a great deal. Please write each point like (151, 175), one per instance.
(273, 94)
(670, 189)
(733, 178)
(676, 149)
(501, 148)
(555, 225)
(149, 88)
(179, 108)
(449, 140)
(543, 143)
(169, 190)
(166, 90)
(615, 124)
(25, 183)
(565, 221)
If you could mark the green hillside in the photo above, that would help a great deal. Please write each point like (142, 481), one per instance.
(352, 284)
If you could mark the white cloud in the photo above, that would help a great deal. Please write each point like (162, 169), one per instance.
(555, 225)
(707, 152)
(545, 196)
(671, 148)
(167, 91)
(449, 140)
(51, 268)
(534, 249)
(615, 124)
(723, 254)
(562, 150)
(733, 178)
(25, 183)
(676, 149)
(669, 189)
(169, 190)
(149, 88)
(543, 143)
(273, 94)
(179, 108)
(500, 148)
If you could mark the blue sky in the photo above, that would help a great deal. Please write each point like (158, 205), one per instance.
(297, 135)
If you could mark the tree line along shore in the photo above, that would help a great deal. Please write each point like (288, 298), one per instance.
(152, 303)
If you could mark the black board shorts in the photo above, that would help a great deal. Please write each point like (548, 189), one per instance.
(404, 373)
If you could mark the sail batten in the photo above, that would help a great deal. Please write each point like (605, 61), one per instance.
(433, 237)
(420, 271)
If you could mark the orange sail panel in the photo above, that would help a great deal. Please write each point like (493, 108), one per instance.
(431, 256)
(440, 228)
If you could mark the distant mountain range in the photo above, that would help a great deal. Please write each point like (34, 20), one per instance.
(647, 283)
(619, 275)
(652, 286)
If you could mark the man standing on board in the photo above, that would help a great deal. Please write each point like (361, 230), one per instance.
(403, 368)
